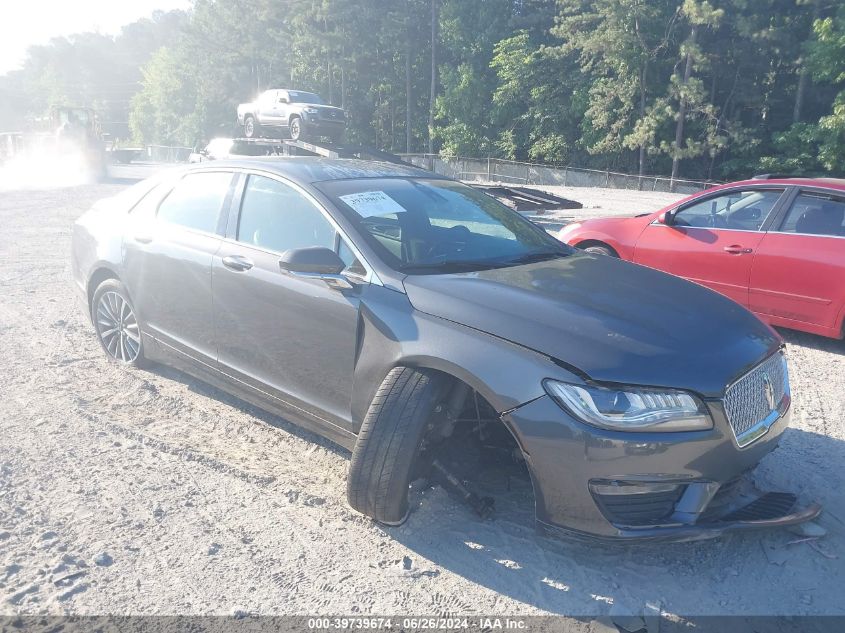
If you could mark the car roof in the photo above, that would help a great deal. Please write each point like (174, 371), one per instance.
(305, 170)
(828, 183)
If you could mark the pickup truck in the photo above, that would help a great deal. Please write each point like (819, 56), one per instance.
(298, 114)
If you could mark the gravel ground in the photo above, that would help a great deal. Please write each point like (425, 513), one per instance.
(147, 492)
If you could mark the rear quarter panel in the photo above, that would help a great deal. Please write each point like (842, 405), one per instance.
(96, 243)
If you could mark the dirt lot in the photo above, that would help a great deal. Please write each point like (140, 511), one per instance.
(146, 492)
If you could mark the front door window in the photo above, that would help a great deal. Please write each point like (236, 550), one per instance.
(737, 210)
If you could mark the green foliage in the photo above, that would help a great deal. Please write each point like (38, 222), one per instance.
(86, 69)
(164, 111)
(797, 151)
(712, 89)
(533, 102)
(828, 60)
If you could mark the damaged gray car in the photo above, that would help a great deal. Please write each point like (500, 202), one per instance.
(401, 314)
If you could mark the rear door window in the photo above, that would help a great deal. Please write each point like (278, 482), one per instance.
(816, 214)
(196, 201)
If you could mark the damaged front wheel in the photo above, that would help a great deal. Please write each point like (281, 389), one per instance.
(388, 444)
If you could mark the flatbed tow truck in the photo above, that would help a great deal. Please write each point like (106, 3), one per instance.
(239, 147)
(532, 203)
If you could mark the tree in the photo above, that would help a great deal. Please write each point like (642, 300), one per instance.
(165, 111)
(828, 63)
(689, 91)
(621, 47)
(687, 87)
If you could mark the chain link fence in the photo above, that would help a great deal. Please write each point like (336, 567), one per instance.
(509, 171)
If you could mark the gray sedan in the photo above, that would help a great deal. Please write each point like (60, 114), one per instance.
(401, 314)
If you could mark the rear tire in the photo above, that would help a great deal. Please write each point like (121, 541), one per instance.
(388, 444)
(116, 324)
(251, 127)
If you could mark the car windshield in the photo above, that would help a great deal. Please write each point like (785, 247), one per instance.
(421, 226)
(303, 97)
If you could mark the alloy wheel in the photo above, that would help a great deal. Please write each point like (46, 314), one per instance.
(117, 327)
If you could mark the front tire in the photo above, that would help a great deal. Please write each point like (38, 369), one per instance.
(388, 444)
(116, 324)
(295, 129)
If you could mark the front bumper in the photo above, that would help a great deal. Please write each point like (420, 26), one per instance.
(327, 127)
(685, 486)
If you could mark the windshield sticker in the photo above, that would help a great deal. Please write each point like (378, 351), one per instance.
(370, 203)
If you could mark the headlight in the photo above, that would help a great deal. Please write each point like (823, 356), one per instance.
(631, 408)
(311, 110)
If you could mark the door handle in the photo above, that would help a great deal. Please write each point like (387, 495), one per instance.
(736, 249)
(143, 238)
(236, 262)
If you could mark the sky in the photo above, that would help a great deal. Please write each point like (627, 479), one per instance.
(23, 24)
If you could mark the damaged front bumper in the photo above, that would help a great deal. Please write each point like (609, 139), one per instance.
(750, 510)
(597, 483)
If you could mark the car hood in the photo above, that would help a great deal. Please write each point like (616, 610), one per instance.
(607, 319)
(321, 106)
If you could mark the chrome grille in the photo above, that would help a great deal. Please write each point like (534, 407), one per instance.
(756, 396)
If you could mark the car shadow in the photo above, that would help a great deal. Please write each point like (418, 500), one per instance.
(206, 390)
(813, 341)
(763, 571)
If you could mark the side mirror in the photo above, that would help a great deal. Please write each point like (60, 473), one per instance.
(667, 218)
(315, 262)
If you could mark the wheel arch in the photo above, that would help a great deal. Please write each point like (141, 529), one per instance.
(455, 373)
(456, 380)
(456, 377)
(840, 323)
(394, 334)
(505, 389)
(596, 242)
(100, 274)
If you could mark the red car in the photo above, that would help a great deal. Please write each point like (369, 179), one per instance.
(774, 245)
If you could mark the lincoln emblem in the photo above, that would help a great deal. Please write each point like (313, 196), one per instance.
(769, 389)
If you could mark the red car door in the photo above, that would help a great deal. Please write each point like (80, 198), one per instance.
(711, 240)
(798, 277)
